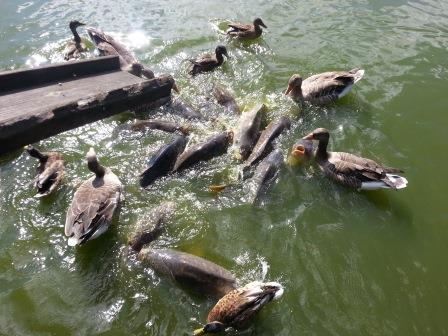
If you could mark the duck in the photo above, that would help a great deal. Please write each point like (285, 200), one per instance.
(351, 170)
(246, 31)
(94, 203)
(237, 308)
(50, 171)
(108, 46)
(323, 88)
(74, 47)
(209, 62)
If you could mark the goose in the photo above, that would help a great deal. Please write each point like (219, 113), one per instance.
(107, 46)
(93, 204)
(323, 88)
(351, 170)
(237, 308)
(74, 47)
(50, 171)
(246, 31)
(208, 62)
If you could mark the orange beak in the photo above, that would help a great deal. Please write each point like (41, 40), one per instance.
(298, 151)
(288, 90)
(308, 137)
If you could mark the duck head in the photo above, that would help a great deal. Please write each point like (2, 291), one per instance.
(75, 24)
(210, 328)
(320, 134)
(259, 22)
(93, 164)
(294, 84)
(221, 50)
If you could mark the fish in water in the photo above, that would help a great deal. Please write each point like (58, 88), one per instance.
(302, 151)
(152, 229)
(214, 146)
(264, 143)
(247, 132)
(265, 174)
(162, 125)
(194, 272)
(225, 98)
(163, 161)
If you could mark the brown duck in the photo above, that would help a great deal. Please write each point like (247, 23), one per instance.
(74, 47)
(237, 308)
(209, 62)
(50, 171)
(351, 170)
(246, 31)
(323, 88)
(93, 204)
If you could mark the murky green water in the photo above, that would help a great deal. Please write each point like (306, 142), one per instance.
(352, 263)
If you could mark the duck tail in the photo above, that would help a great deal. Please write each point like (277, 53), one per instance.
(358, 74)
(73, 241)
(396, 181)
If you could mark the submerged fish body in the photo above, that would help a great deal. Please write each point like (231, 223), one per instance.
(214, 146)
(154, 227)
(264, 143)
(265, 174)
(162, 125)
(163, 161)
(181, 108)
(225, 98)
(189, 270)
(247, 131)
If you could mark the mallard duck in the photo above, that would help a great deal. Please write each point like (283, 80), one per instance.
(74, 47)
(324, 87)
(208, 62)
(108, 46)
(237, 308)
(50, 171)
(351, 170)
(246, 31)
(93, 204)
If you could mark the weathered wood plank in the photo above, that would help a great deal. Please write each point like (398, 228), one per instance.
(69, 110)
(27, 78)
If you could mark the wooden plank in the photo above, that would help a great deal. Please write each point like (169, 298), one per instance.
(28, 78)
(43, 120)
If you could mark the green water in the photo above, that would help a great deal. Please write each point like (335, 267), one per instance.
(352, 263)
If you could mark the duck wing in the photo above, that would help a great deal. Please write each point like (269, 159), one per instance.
(329, 86)
(50, 177)
(92, 207)
(241, 27)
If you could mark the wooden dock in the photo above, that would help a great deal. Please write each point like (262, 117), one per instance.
(41, 102)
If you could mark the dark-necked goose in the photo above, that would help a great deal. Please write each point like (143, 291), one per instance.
(93, 204)
(50, 171)
(351, 170)
(246, 31)
(237, 308)
(323, 88)
(74, 47)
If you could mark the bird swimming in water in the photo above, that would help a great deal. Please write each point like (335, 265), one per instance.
(74, 47)
(237, 308)
(246, 31)
(323, 88)
(50, 171)
(208, 62)
(351, 170)
(108, 46)
(93, 204)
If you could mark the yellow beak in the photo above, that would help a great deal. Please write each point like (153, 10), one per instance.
(198, 332)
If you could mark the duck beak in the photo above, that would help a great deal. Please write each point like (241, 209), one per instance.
(81, 24)
(308, 137)
(175, 88)
(288, 90)
(199, 332)
(263, 25)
